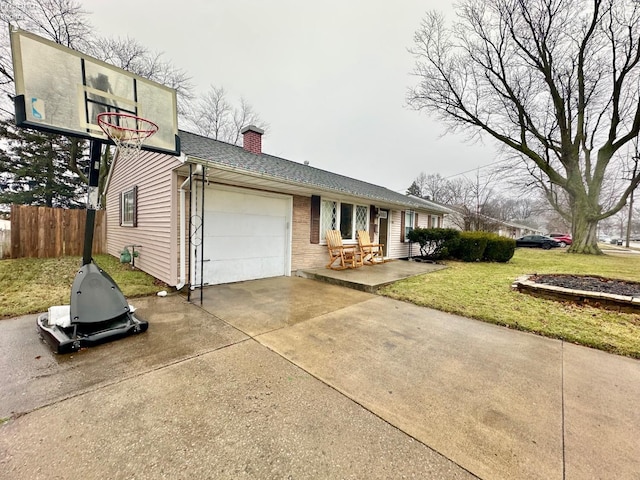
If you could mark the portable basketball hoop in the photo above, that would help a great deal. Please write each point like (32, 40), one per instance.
(127, 131)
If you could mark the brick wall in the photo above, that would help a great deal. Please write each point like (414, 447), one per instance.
(252, 142)
(304, 254)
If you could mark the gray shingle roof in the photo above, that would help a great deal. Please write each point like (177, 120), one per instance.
(225, 154)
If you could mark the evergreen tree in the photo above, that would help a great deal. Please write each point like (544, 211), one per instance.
(414, 190)
(35, 171)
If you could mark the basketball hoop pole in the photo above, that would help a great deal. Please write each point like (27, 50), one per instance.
(93, 199)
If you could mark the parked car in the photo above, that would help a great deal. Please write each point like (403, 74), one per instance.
(537, 241)
(563, 239)
(616, 241)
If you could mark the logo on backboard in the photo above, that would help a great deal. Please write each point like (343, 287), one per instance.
(37, 108)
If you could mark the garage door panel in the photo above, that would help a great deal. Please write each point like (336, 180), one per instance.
(242, 203)
(240, 225)
(229, 248)
(272, 264)
(239, 269)
(245, 236)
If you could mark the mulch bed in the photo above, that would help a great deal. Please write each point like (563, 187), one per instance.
(590, 284)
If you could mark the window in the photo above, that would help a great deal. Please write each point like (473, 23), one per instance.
(128, 208)
(435, 221)
(346, 220)
(409, 223)
(346, 217)
(362, 217)
(328, 216)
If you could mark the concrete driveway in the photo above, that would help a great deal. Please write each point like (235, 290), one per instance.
(292, 378)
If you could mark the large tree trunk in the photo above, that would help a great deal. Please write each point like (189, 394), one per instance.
(584, 228)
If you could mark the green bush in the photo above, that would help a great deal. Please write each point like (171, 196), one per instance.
(499, 249)
(435, 243)
(471, 246)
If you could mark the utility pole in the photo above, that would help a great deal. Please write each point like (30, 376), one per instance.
(630, 218)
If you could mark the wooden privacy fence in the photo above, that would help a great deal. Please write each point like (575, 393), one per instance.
(53, 232)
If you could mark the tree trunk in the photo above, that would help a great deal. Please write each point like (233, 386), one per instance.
(584, 232)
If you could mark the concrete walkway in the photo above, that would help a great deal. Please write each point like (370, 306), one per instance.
(291, 378)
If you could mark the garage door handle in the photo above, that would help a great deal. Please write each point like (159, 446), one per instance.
(206, 260)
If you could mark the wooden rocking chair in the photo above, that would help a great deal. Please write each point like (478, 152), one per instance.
(348, 255)
(372, 253)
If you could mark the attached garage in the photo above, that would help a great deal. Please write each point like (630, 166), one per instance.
(246, 235)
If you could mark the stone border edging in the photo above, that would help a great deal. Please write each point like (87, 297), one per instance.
(622, 303)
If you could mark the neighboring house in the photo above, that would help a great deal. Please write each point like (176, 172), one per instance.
(458, 217)
(220, 213)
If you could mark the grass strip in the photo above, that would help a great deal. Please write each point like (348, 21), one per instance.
(32, 285)
(483, 291)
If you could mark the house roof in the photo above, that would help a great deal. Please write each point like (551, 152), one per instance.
(460, 209)
(219, 153)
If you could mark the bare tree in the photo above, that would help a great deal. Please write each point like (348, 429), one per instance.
(434, 186)
(66, 23)
(129, 54)
(554, 80)
(215, 117)
(63, 21)
(480, 203)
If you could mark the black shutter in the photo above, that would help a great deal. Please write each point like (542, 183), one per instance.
(314, 229)
(135, 206)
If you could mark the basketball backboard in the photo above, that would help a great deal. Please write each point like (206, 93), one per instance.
(60, 90)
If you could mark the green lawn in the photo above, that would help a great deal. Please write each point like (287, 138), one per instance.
(483, 291)
(32, 285)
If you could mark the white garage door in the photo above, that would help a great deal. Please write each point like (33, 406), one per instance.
(246, 236)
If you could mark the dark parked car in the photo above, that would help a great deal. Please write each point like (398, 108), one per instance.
(563, 239)
(537, 241)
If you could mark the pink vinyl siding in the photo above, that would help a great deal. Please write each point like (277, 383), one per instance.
(157, 210)
(397, 249)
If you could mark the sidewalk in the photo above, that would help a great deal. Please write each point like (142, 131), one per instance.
(292, 378)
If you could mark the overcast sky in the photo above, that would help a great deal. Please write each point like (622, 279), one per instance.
(330, 78)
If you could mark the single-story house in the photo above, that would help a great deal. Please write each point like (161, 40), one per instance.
(460, 218)
(221, 213)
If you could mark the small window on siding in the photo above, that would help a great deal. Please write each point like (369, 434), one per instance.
(128, 208)
(409, 223)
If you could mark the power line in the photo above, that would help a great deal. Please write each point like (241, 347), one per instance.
(477, 168)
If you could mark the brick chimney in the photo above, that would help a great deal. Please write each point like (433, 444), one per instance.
(252, 139)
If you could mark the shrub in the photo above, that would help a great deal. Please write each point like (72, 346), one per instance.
(471, 246)
(435, 243)
(499, 249)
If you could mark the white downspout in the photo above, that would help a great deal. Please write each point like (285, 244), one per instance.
(182, 219)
